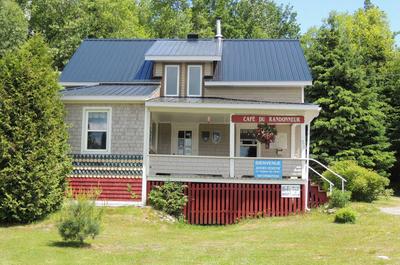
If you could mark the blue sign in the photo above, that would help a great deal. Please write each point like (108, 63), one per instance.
(268, 168)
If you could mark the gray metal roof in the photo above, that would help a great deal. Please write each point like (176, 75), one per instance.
(112, 60)
(108, 60)
(262, 60)
(217, 100)
(110, 90)
(184, 48)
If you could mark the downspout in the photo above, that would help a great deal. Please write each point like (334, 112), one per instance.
(146, 148)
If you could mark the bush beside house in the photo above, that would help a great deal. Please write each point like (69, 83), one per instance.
(168, 198)
(364, 184)
(33, 137)
(339, 199)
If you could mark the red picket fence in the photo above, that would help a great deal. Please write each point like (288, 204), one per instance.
(226, 203)
(112, 189)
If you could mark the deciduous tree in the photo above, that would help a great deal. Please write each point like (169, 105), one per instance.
(14, 26)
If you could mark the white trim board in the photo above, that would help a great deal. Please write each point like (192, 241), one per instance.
(258, 83)
(229, 106)
(228, 180)
(180, 58)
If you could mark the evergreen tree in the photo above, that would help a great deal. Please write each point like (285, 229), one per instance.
(352, 122)
(33, 137)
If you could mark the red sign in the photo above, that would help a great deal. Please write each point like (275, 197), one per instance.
(267, 119)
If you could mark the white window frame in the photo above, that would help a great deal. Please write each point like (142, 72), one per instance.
(166, 78)
(188, 79)
(85, 119)
(245, 126)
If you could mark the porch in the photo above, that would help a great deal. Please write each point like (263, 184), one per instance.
(203, 142)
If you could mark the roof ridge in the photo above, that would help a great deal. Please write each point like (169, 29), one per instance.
(174, 39)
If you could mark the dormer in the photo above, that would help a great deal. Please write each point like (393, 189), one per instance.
(183, 65)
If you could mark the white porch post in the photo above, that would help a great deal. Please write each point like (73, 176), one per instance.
(146, 142)
(231, 148)
(292, 140)
(308, 162)
(304, 163)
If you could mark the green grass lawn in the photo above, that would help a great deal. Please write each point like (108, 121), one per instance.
(137, 236)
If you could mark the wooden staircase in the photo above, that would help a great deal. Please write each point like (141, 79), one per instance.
(316, 195)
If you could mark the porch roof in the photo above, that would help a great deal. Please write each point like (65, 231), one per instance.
(226, 103)
(109, 91)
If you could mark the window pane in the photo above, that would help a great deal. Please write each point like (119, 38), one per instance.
(247, 134)
(194, 81)
(97, 121)
(172, 80)
(97, 140)
(248, 151)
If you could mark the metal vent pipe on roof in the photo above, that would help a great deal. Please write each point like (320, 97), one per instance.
(218, 34)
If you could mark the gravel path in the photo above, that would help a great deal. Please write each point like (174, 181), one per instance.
(391, 210)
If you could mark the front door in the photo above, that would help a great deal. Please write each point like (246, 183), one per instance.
(185, 142)
(184, 139)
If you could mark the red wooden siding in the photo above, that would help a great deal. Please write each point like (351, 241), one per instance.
(112, 189)
(226, 203)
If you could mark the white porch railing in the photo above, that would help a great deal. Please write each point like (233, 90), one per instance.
(188, 165)
(219, 166)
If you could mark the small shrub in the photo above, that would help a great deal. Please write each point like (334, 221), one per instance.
(364, 184)
(339, 199)
(387, 194)
(80, 219)
(168, 198)
(345, 215)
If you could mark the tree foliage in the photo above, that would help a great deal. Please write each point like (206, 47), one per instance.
(65, 23)
(33, 137)
(245, 19)
(346, 62)
(14, 26)
(166, 18)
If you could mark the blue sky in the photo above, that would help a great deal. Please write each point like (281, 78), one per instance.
(312, 12)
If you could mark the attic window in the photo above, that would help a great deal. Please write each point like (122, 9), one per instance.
(171, 83)
(194, 80)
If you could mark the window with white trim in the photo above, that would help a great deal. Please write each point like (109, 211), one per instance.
(248, 143)
(97, 130)
(194, 80)
(171, 82)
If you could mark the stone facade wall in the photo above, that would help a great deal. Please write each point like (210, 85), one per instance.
(127, 124)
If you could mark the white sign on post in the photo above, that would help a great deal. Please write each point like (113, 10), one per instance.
(290, 191)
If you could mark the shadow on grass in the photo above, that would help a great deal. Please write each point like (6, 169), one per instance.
(62, 244)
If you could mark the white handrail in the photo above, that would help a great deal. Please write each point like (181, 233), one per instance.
(330, 170)
(327, 180)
